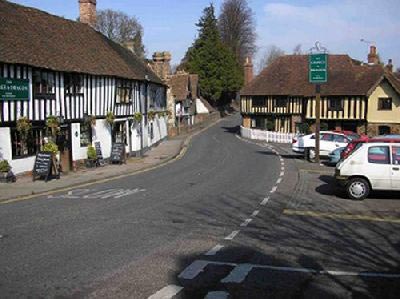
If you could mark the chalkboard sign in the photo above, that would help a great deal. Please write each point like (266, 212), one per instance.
(99, 154)
(44, 164)
(118, 153)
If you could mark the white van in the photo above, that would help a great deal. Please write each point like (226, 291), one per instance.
(374, 166)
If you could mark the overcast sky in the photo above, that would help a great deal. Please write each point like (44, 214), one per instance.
(337, 24)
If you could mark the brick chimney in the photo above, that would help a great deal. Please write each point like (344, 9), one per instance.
(87, 12)
(373, 56)
(162, 64)
(389, 66)
(248, 70)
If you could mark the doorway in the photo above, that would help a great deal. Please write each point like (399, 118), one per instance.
(65, 148)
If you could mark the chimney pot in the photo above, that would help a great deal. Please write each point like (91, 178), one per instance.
(389, 66)
(87, 12)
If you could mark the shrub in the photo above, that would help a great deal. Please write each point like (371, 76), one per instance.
(91, 153)
(4, 166)
(51, 147)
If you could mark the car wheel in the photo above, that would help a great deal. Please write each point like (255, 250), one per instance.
(357, 188)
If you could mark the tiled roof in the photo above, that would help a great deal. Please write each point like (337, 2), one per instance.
(179, 84)
(36, 38)
(288, 75)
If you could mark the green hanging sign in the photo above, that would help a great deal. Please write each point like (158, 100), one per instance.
(318, 68)
(14, 89)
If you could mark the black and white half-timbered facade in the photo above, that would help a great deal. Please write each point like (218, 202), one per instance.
(50, 66)
(281, 99)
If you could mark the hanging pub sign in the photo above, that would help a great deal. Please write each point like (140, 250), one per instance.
(318, 68)
(14, 89)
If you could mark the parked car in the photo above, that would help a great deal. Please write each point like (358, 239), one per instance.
(329, 141)
(356, 143)
(373, 166)
(335, 155)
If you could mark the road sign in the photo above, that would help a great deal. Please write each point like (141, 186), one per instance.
(318, 68)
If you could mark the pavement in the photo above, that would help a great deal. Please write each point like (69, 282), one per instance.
(165, 152)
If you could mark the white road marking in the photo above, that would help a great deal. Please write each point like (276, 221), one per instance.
(217, 295)
(167, 292)
(278, 181)
(193, 269)
(255, 213)
(282, 173)
(283, 168)
(274, 189)
(214, 250)
(265, 201)
(232, 235)
(246, 222)
(238, 274)
(241, 269)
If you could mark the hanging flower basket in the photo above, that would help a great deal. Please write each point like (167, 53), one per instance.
(138, 117)
(110, 118)
(151, 115)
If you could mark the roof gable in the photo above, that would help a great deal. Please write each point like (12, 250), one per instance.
(36, 38)
(288, 75)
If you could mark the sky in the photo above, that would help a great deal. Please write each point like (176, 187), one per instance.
(339, 25)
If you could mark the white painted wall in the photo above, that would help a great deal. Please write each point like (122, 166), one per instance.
(78, 152)
(135, 129)
(200, 107)
(102, 133)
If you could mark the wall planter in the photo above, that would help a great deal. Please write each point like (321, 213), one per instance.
(92, 157)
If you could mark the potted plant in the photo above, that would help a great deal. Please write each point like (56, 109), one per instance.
(24, 126)
(91, 156)
(110, 118)
(53, 125)
(151, 114)
(51, 147)
(6, 174)
(137, 117)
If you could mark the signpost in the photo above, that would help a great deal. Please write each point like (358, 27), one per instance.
(14, 89)
(318, 73)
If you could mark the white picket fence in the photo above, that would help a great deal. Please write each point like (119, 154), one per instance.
(267, 136)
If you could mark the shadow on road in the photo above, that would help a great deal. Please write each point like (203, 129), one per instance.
(232, 130)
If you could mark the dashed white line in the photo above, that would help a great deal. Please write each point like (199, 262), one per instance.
(232, 235)
(278, 181)
(238, 274)
(255, 213)
(282, 173)
(214, 250)
(193, 269)
(273, 190)
(167, 292)
(246, 222)
(282, 168)
(217, 295)
(265, 201)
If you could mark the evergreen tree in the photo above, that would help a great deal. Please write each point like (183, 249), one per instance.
(219, 73)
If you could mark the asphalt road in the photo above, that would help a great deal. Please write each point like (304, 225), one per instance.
(224, 220)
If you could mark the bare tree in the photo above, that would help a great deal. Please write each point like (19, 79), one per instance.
(272, 53)
(122, 29)
(237, 28)
(297, 50)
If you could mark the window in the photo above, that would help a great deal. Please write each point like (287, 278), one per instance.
(340, 139)
(86, 134)
(119, 133)
(396, 155)
(124, 92)
(378, 155)
(73, 83)
(385, 104)
(335, 104)
(32, 145)
(43, 83)
(384, 130)
(258, 101)
(281, 102)
(327, 137)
